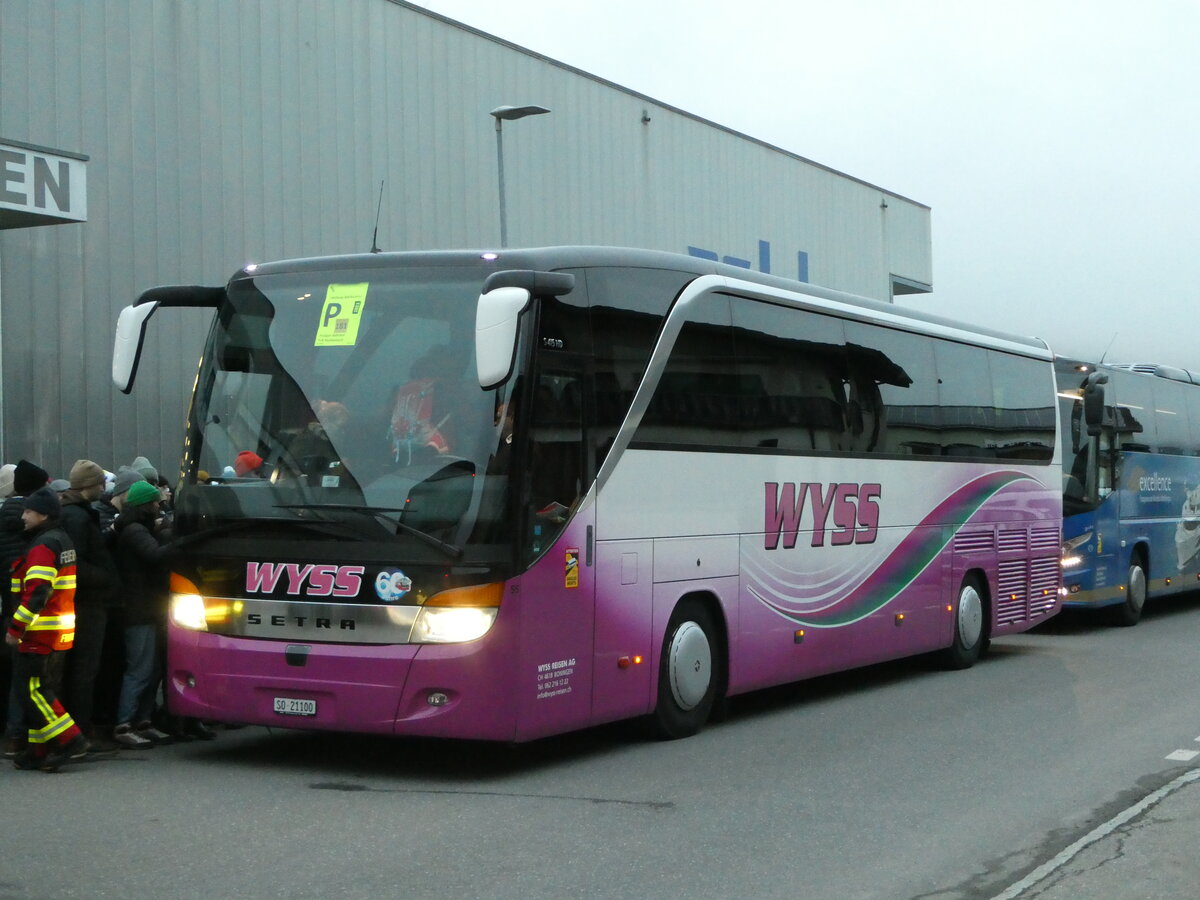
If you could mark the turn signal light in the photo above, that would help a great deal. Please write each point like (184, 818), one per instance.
(477, 595)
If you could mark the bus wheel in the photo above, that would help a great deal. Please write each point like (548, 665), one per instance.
(687, 672)
(970, 637)
(1129, 612)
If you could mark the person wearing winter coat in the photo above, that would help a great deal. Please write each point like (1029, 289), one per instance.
(97, 582)
(27, 478)
(110, 502)
(142, 556)
(42, 629)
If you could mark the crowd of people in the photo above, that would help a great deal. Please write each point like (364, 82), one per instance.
(85, 617)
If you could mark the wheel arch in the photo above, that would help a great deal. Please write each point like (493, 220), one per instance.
(1140, 553)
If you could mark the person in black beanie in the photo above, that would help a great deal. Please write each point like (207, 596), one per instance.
(27, 478)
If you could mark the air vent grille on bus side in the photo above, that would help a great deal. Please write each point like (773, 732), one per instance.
(1044, 576)
(974, 542)
(1045, 539)
(1012, 541)
(1012, 589)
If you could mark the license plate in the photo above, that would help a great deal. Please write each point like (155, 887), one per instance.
(291, 706)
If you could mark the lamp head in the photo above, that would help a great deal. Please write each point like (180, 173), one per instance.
(517, 112)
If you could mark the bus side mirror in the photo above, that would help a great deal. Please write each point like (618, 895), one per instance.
(131, 324)
(127, 345)
(1093, 403)
(496, 317)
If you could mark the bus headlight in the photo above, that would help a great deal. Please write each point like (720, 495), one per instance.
(187, 611)
(451, 625)
(458, 615)
(1073, 550)
(190, 609)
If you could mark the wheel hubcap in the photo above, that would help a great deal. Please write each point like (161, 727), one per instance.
(690, 666)
(970, 616)
(1137, 587)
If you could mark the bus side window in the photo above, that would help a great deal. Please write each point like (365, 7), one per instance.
(901, 367)
(555, 463)
(864, 417)
(797, 361)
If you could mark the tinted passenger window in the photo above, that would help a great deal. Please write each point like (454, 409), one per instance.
(1171, 413)
(792, 367)
(1132, 398)
(1023, 396)
(969, 425)
(627, 310)
(895, 383)
(697, 400)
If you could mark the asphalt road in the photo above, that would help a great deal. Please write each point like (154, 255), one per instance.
(899, 781)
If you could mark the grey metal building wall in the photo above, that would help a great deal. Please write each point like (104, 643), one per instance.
(221, 132)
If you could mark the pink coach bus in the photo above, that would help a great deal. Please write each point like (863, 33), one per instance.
(503, 495)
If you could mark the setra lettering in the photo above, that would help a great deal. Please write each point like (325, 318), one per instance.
(284, 621)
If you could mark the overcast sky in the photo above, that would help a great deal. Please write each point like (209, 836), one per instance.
(1056, 141)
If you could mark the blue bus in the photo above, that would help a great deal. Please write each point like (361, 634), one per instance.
(1131, 485)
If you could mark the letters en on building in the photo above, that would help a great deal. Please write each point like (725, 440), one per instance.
(40, 186)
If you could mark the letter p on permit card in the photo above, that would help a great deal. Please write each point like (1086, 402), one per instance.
(341, 314)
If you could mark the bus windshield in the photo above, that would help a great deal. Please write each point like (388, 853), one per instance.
(1086, 460)
(352, 397)
(1075, 448)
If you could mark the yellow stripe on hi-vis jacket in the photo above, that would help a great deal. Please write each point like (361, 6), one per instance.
(41, 573)
(52, 623)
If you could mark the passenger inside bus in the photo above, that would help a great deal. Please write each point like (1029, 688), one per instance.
(248, 464)
(423, 408)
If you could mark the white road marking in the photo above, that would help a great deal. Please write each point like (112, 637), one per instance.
(1183, 755)
(1103, 831)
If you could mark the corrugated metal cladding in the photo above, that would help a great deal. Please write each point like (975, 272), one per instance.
(221, 132)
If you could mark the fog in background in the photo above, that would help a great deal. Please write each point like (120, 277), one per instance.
(1057, 142)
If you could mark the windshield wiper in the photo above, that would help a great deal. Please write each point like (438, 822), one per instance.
(380, 513)
(249, 522)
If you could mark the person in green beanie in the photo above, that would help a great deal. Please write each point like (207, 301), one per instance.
(142, 556)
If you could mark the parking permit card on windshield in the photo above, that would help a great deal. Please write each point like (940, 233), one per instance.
(341, 314)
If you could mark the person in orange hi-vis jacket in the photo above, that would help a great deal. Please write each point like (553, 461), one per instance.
(42, 628)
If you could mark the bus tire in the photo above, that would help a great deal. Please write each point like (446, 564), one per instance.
(970, 625)
(688, 672)
(1129, 613)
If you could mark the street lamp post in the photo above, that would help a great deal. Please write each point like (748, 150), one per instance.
(501, 113)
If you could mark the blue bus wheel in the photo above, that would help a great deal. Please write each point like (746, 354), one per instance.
(1130, 612)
